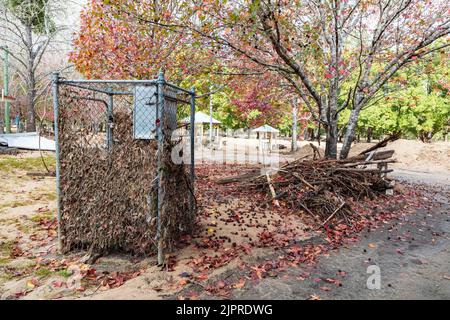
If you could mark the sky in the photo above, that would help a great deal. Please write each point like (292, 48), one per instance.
(70, 19)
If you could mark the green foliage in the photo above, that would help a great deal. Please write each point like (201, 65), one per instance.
(417, 103)
(34, 13)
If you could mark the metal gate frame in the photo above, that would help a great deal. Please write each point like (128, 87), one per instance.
(161, 83)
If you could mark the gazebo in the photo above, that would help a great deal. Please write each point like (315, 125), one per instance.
(269, 133)
(200, 120)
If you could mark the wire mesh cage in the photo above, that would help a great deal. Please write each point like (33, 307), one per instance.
(118, 186)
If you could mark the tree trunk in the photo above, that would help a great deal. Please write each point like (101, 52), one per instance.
(369, 134)
(294, 146)
(331, 141)
(31, 82)
(332, 114)
(31, 125)
(349, 136)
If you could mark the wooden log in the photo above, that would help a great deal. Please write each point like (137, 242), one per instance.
(272, 191)
(41, 174)
(240, 178)
(365, 163)
(382, 155)
(363, 170)
(382, 143)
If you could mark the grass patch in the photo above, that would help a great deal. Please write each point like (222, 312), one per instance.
(50, 196)
(5, 252)
(6, 277)
(42, 216)
(16, 204)
(27, 164)
(5, 260)
(6, 248)
(43, 272)
(22, 228)
(64, 273)
(44, 196)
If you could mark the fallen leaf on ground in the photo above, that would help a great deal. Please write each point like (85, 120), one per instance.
(240, 284)
(58, 284)
(183, 282)
(221, 284)
(31, 284)
(324, 288)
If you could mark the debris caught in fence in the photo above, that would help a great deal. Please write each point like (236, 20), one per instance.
(109, 188)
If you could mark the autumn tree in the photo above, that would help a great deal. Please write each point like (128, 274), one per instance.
(337, 54)
(108, 46)
(258, 98)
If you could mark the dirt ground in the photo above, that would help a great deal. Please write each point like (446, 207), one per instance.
(412, 253)
(415, 155)
(31, 268)
(237, 233)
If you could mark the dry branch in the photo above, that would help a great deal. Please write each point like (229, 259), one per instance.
(108, 197)
(320, 188)
(272, 191)
(382, 143)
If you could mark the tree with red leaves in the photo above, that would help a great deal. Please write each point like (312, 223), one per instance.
(258, 101)
(110, 47)
(336, 54)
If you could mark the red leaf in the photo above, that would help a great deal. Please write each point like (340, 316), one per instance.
(324, 288)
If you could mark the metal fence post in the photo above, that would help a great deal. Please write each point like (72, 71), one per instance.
(109, 132)
(55, 89)
(160, 122)
(192, 134)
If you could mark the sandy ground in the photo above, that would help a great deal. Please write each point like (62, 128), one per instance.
(416, 156)
(30, 267)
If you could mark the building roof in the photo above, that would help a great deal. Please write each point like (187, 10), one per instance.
(201, 118)
(266, 128)
(28, 141)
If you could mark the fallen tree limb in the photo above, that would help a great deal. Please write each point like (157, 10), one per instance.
(42, 174)
(365, 163)
(272, 191)
(239, 178)
(334, 213)
(364, 170)
(382, 143)
(381, 155)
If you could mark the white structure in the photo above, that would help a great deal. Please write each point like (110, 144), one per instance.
(27, 141)
(200, 120)
(267, 135)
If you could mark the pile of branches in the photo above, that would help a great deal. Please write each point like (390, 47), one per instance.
(108, 197)
(322, 188)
